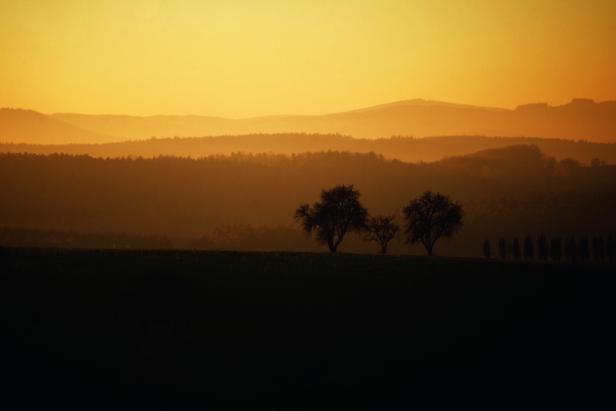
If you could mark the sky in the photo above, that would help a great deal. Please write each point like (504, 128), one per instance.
(237, 58)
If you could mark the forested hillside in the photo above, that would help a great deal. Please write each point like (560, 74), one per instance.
(401, 148)
(226, 202)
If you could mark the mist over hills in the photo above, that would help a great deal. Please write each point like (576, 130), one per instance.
(400, 148)
(581, 119)
(31, 126)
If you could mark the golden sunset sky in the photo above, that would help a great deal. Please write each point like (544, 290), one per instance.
(248, 58)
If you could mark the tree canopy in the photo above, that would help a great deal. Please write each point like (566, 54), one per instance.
(381, 229)
(431, 217)
(338, 213)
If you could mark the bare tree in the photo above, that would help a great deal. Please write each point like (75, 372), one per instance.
(382, 229)
(338, 213)
(431, 217)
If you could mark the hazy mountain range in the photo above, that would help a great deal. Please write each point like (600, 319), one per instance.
(581, 119)
(400, 148)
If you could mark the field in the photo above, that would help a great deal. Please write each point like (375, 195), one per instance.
(303, 331)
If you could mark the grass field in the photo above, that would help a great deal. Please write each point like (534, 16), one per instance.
(304, 331)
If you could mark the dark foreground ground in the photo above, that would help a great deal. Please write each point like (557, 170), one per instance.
(303, 331)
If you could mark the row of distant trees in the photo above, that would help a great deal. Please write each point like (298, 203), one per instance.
(340, 211)
(542, 248)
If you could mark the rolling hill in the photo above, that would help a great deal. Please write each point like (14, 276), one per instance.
(400, 148)
(581, 119)
(29, 126)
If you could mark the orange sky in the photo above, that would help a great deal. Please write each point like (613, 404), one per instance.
(247, 58)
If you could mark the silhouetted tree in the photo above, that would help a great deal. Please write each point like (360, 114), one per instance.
(609, 248)
(515, 249)
(338, 213)
(502, 248)
(529, 248)
(382, 229)
(596, 162)
(542, 248)
(584, 249)
(431, 217)
(598, 248)
(594, 244)
(601, 247)
(570, 249)
(556, 249)
(568, 167)
(487, 252)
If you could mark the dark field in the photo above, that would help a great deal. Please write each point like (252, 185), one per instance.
(295, 331)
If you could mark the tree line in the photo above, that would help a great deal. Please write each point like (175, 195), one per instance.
(186, 199)
(407, 149)
(584, 248)
(426, 219)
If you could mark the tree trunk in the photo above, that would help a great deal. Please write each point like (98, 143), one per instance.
(429, 249)
(336, 243)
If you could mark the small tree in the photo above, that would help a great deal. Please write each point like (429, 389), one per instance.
(594, 245)
(542, 248)
(610, 248)
(431, 217)
(568, 167)
(584, 249)
(556, 249)
(570, 249)
(502, 248)
(487, 252)
(515, 249)
(382, 229)
(529, 248)
(598, 248)
(338, 213)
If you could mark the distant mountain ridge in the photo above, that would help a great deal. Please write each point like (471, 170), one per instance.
(581, 119)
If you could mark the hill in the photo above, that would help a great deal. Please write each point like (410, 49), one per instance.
(296, 331)
(27, 126)
(580, 119)
(400, 148)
